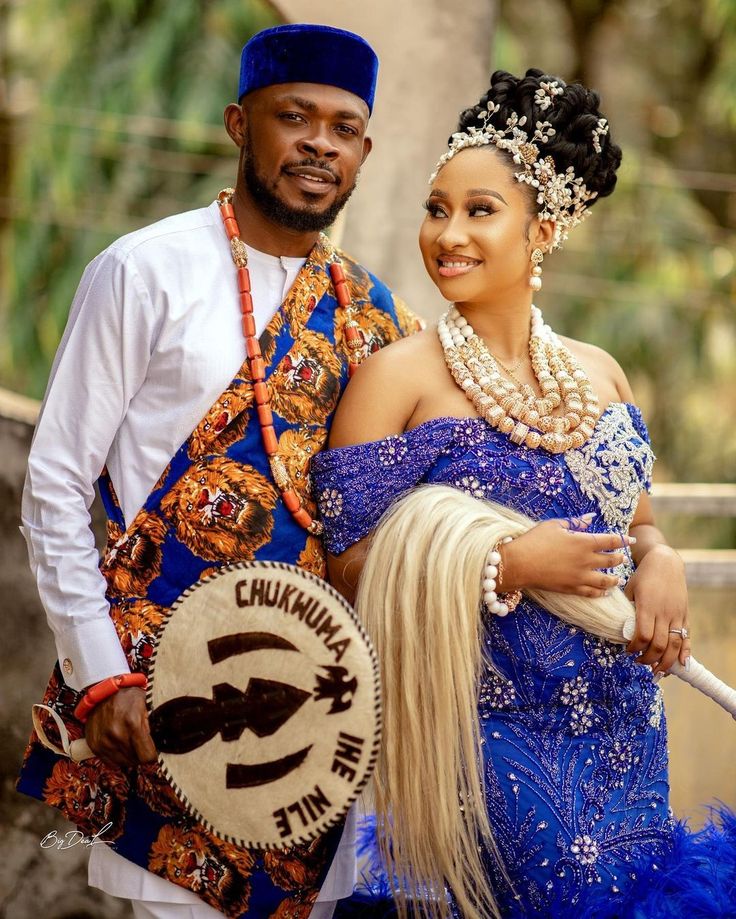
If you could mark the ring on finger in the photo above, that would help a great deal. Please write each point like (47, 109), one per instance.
(683, 632)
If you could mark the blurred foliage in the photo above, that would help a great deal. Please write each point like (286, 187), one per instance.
(110, 117)
(651, 276)
(112, 113)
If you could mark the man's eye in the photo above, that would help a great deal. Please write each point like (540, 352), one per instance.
(291, 116)
(347, 129)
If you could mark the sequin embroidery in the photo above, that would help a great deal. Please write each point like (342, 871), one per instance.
(612, 466)
(574, 735)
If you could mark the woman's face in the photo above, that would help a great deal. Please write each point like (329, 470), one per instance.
(478, 235)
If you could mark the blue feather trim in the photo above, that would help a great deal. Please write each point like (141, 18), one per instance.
(696, 881)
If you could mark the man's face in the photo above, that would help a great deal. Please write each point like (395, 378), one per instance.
(303, 144)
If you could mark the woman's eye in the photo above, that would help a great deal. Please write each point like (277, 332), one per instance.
(434, 210)
(480, 210)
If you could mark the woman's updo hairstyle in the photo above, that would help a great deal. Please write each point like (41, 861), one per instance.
(574, 114)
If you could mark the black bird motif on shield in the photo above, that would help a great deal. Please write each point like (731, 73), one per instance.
(337, 687)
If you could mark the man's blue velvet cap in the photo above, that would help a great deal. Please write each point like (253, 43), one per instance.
(303, 53)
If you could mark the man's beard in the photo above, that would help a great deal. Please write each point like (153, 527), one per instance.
(306, 219)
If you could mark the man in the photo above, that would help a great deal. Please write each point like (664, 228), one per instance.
(200, 462)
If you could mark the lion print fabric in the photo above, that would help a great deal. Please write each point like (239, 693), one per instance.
(216, 503)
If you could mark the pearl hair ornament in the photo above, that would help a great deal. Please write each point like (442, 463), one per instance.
(544, 97)
(600, 130)
(562, 197)
(500, 604)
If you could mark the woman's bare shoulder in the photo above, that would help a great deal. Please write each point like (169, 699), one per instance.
(383, 393)
(413, 348)
(605, 365)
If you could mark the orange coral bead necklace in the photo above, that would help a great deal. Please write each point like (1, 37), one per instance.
(257, 365)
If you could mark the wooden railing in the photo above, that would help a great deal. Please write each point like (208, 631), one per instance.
(705, 567)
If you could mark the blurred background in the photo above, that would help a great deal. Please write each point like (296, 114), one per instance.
(111, 118)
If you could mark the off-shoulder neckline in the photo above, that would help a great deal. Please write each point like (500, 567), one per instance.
(447, 419)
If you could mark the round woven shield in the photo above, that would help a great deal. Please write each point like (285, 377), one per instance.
(264, 704)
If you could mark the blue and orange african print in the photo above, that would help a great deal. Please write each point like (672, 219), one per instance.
(215, 503)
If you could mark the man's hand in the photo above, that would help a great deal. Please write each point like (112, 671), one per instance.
(117, 729)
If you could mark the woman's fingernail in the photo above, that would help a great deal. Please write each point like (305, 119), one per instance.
(632, 540)
(589, 516)
(658, 676)
(687, 664)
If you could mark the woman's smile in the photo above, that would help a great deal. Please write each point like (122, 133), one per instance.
(451, 266)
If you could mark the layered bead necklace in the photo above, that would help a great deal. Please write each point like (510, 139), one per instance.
(513, 407)
(257, 365)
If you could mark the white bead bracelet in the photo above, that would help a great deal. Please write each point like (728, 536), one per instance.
(498, 604)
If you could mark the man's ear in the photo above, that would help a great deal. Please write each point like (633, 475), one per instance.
(235, 123)
(367, 147)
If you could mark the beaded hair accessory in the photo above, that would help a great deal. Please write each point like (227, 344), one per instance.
(600, 130)
(562, 196)
(544, 97)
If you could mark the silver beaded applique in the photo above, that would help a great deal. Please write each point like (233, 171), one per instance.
(610, 468)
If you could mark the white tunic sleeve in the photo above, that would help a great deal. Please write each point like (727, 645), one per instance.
(100, 364)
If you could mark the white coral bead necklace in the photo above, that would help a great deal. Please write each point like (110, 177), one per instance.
(513, 408)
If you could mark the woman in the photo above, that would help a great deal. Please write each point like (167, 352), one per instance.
(573, 733)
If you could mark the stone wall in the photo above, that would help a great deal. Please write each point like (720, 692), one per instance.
(34, 881)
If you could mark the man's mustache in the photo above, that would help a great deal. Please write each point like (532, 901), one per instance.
(315, 164)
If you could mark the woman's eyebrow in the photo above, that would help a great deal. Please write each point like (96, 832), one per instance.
(485, 191)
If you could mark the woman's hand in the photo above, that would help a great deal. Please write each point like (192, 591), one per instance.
(659, 592)
(556, 555)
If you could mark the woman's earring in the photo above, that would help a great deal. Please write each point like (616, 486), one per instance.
(535, 281)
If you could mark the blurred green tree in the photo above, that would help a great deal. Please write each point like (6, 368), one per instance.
(652, 275)
(112, 119)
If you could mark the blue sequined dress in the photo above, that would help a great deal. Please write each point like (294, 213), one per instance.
(574, 732)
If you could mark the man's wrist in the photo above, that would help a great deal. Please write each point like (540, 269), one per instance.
(98, 692)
